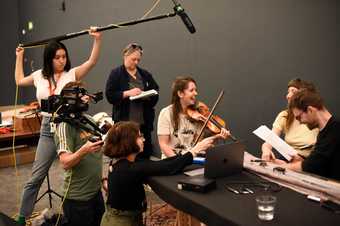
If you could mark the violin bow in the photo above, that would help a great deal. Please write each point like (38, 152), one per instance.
(209, 116)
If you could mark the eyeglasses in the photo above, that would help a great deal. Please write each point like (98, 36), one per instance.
(132, 48)
(298, 117)
(136, 46)
(141, 135)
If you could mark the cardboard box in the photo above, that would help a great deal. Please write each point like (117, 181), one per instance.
(27, 123)
(23, 153)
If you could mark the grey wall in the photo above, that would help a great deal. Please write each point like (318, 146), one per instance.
(9, 39)
(248, 48)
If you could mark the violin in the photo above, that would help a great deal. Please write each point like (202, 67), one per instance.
(213, 122)
(200, 112)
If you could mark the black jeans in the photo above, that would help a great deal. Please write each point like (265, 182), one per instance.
(84, 213)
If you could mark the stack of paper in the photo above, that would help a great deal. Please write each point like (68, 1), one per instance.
(275, 141)
(145, 94)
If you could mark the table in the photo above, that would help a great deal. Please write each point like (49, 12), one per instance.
(220, 207)
(25, 145)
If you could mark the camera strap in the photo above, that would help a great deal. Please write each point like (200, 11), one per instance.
(51, 88)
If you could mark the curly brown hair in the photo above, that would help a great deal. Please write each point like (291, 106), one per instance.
(121, 140)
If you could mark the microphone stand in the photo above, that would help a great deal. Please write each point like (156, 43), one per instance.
(104, 28)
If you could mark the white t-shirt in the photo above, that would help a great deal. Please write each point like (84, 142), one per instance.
(182, 139)
(43, 86)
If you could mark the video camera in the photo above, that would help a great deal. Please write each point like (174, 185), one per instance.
(69, 101)
(69, 106)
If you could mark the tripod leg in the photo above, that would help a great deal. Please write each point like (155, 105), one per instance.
(40, 197)
(57, 194)
(49, 190)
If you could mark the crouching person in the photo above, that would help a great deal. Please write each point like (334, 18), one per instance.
(126, 196)
(81, 160)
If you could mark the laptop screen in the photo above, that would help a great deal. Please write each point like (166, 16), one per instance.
(223, 160)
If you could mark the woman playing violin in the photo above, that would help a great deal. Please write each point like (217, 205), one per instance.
(176, 130)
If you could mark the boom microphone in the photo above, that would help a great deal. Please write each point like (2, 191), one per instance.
(185, 18)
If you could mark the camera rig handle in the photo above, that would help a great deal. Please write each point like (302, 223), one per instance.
(81, 122)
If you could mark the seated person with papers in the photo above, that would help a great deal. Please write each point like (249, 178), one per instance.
(309, 109)
(295, 134)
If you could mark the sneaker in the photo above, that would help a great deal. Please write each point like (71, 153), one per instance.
(21, 220)
(40, 220)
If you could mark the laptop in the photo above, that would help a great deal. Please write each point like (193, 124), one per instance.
(221, 161)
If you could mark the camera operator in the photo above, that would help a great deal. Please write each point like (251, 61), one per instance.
(82, 162)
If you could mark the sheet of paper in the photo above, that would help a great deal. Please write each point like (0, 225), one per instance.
(145, 94)
(6, 123)
(194, 172)
(275, 141)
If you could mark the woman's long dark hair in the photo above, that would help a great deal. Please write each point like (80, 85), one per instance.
(179, 85)
(49, 53)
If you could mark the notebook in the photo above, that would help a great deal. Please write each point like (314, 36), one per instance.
(221, 161)
(144, 94)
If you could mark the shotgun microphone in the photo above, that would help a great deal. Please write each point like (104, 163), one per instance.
(185, 18)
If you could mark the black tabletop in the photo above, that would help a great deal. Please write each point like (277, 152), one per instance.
(222, 207)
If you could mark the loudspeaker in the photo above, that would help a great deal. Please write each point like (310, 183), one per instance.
(7, 221)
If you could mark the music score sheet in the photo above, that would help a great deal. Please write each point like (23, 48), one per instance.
(275, 141)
